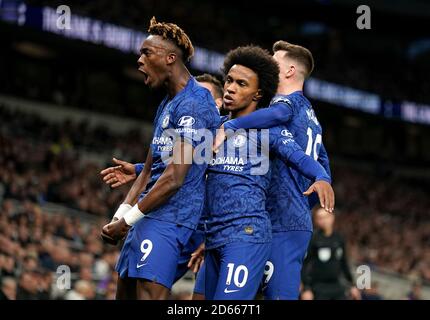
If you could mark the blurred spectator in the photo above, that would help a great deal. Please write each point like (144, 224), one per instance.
(28, 286)
(85, 274)
(30, 263)
(7, 265)
(45, 285)
(8, 289)
(372, 293)
(82, 290)
(415, 293)
(110, 292)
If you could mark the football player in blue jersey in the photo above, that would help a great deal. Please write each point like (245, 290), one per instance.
(213, 85)
(125, 172)
(160, 221)
(288, 207)
(238, 227)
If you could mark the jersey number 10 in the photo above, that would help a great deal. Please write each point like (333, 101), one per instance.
(237, 274)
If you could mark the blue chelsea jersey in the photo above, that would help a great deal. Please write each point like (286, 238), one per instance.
(237, 184)
(191, 114)
(288, 207)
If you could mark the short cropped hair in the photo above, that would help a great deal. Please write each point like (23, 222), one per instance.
(208, 78)
(262, 63)
(172, 32)
(298, 53)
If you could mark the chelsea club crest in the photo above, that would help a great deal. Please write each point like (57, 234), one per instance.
(239, 140)
(165, 122)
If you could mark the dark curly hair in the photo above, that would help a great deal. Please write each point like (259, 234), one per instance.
(262, 63)
(172, 32)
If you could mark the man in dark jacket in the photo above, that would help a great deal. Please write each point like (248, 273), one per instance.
(326, 262)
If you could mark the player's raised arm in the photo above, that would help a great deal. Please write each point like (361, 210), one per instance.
(288, 150)
(279, 113)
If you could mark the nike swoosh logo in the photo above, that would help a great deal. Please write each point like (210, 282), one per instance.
(140, 265)
(229, 291)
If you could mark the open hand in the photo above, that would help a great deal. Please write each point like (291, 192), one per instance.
(325, 194)
(119, 175)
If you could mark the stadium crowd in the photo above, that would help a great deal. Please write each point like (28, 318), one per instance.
(385, 221)
(54, 172)
(34, 244)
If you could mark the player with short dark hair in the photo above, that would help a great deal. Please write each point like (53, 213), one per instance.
(238, 228)
(211, 83)
(165, 215)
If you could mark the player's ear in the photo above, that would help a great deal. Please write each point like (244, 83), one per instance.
(171, 57)
(291, 71)
(258, 95)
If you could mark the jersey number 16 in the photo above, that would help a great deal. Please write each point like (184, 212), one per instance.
(313, 145)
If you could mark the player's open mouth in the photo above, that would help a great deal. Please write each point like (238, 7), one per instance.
(228, 99)
(146, 77)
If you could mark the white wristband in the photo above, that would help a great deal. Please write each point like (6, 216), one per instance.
(122, 210)
(133, 215)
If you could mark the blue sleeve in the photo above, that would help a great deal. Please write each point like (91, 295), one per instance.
(290, 152)
(307, 166)
(138, 167)
(277, 114)
(324, 161)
